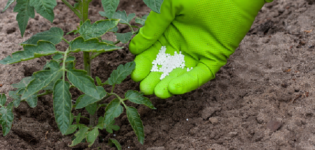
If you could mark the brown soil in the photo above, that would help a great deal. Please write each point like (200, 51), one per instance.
(263, 99)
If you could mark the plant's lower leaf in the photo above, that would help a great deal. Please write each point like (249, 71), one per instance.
(83, 82)
(124, 37)
(138, 98)
(23, 83)
(80, 135)
(53, 35)
(16, 98)
(92, 136)
(6, 118)
(45, 8)
(30, 52)
(135, 122)
(92, 45)
(42, 79)
(3, 99)
(25, 11)
(97, 29)
(155, 5)
(131, 16)
(62, 105)
(8, 5)
(112, 111)
(32, 101)
(87, 100)
(71, 129)
(115, 142)
(121, 73)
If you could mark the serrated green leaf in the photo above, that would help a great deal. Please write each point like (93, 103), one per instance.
(91, 109)
(112, 111)
(80, 135)
(62, 105)
(121, 73)
(113, 30)
(100, 123)
(32, 101)
(25, 11)
(131, 16)
(83, 82)
(115, 142)
(97, 29)
(142, 19)
(124, 37)
(53, 35)
(6, 119)
(98, 81)
(92, 45)
(57, 56)
(72, 128)
(70, 59)
(42, 79)
(52, 65)
(16, 98)
(122, 16)
(135, 122)
(8, 5)
(110, 7)
(87, 100)
(108, 42)
(155, 5)
(30, 52)
(3, 99)
(92, 136)
(138, 98)
(45, 8)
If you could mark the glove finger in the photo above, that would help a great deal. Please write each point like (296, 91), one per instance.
(148, 84)
(191, 80)
(161, 89)
(144, 62)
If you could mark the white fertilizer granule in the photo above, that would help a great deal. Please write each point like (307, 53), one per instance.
(167, 62)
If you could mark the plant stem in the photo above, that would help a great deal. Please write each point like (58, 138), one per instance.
(66, 40)
(45, 93)
(72, 8)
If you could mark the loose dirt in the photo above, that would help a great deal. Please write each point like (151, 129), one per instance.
(263, 99)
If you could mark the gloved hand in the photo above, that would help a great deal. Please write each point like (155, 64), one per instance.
(207, 32)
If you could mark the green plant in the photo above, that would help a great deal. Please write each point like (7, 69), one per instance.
(59, 75)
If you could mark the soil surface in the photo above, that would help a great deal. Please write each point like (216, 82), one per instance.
(263, 99)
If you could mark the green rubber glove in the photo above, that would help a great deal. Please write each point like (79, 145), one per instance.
(207, 32)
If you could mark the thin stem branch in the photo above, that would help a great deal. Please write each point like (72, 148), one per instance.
(72, 8)
(66, 40)
(45, 93)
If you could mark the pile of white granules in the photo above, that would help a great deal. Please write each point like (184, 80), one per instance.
(167, 62)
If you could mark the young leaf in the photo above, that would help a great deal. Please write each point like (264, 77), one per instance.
(45, 8)
(16, 98)
(124, 37)
(110, 7)
(77, 118)
(115, 142)
(142, 19)
(83, 82)
(110, 127)
(3, 99)
(92, 45)
(6, 118)
(98, 81)
(121, 73)
(155, 5)
(25, 11)
(112, 111)
(113, 30)
(57, 56)
(62, 105)
(54, 35)
(32, 101)
(23, 83)
(91, 109)
(8, 5)
(138, 98)
(42, 79)
(122, 16)
(80, 135)
(91, 136)
(135, 122)
(30, 52)
(99, 28)
(72, 128)
(131, 16)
